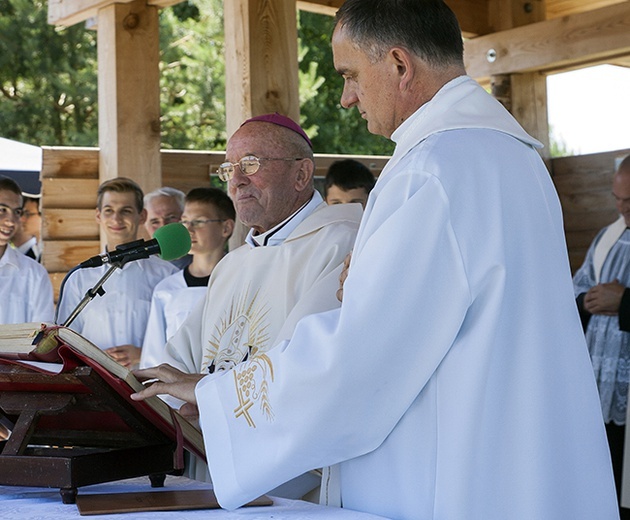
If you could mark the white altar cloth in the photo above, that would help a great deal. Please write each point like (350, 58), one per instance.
(29, 503)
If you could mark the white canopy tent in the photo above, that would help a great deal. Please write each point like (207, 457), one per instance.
(23, 163)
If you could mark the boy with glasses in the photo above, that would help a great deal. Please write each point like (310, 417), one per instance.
(25, 288)
(26, 238)
(348, 181)
(209, 217)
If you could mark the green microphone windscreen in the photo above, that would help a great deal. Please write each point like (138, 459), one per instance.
(173, 239)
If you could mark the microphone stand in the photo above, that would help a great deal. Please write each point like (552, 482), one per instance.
(97, 290)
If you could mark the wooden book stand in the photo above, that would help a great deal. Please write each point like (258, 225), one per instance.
(72, 429)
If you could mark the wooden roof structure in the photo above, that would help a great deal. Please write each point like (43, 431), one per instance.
(512, 44)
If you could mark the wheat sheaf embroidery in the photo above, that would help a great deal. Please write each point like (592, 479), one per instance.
(242, 334)
(252, 385)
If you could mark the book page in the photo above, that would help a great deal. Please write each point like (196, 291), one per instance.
(88, 351)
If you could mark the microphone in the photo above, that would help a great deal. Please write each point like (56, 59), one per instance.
(170, 242)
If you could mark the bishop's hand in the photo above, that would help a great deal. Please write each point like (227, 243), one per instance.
(165, 379)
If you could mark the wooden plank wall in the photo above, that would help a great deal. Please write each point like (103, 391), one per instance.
(70, 181)
(584, 184)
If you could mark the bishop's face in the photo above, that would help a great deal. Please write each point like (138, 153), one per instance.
(272, 194)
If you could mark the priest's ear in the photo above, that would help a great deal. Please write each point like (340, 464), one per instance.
(304, 176)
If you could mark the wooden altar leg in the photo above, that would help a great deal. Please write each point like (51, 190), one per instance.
(68, 495)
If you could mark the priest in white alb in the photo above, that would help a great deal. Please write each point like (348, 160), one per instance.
(454, 382)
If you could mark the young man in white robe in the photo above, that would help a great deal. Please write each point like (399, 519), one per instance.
(25, 289)
(117, 320)
(454, 382)
(602, 291)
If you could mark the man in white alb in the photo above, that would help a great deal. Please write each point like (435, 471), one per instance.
(602, 290)
(116, 321)
(454, 381)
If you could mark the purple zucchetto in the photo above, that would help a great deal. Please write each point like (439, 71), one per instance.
(280, 120)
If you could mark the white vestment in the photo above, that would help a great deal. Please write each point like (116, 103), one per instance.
(171, 304)
(25, 290)
(454, 381)
(608, 345)
(256, 295)
(120, 316)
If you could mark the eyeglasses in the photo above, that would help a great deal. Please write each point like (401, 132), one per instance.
(249, 165)
(5, 211)
(199, 222)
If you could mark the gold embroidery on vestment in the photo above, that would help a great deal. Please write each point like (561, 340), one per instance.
(243, 334)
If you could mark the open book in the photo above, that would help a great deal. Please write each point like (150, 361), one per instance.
(57, 350)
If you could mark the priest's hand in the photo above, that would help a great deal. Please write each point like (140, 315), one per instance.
(343, 275)
(165, 379)
(127, 355)
(604, 298)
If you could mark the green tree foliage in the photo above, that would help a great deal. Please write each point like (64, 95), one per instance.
(48, 81)
(333, 129)
(192, 76)
(47, 78)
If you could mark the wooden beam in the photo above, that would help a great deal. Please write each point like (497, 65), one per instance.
(327, 7)
(70, 12)
(261, 65)
(507, 14)
(552, 45)
(529, 107)
(557, 8)
(472, 14)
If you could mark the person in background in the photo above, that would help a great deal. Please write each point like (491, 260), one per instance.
(602, 290)
(454, 381)
(209, 216)
(165, 206)
(347, 181)
(117, 320)
(27, 237)
(25, 289)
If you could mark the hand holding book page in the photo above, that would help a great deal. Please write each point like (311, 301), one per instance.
(169, 380)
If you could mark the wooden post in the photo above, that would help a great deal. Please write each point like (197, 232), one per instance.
(261, 65)
(128, 93)
(524, 95)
